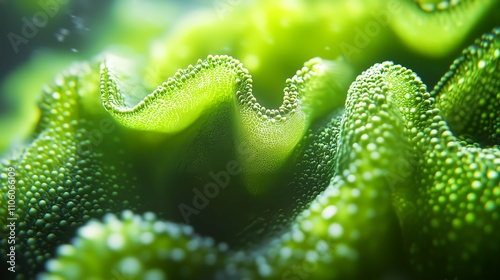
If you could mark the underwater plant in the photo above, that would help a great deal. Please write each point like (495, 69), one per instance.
(236, 168)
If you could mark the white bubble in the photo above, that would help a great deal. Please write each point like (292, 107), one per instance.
(115, 241)
(335, 230)
(329, 212)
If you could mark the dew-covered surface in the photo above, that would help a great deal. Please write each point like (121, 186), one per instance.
(250, 140)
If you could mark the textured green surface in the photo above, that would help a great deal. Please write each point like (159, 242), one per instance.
(347, 178)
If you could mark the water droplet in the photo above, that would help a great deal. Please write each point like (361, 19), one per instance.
(78, 22)
(61, 34)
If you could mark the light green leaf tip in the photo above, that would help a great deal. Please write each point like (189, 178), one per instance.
(437, 27)
(452, 208)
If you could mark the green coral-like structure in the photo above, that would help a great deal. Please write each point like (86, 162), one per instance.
(449, 217)
(136, 247)
(348, 178)
(61, 180)
(271, 133)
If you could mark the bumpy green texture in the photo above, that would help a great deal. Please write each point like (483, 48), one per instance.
(61, 177)
(390, 138)
(450, 216)
(335, 182)
(472, 115)
(270, 133)
(137, 248)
